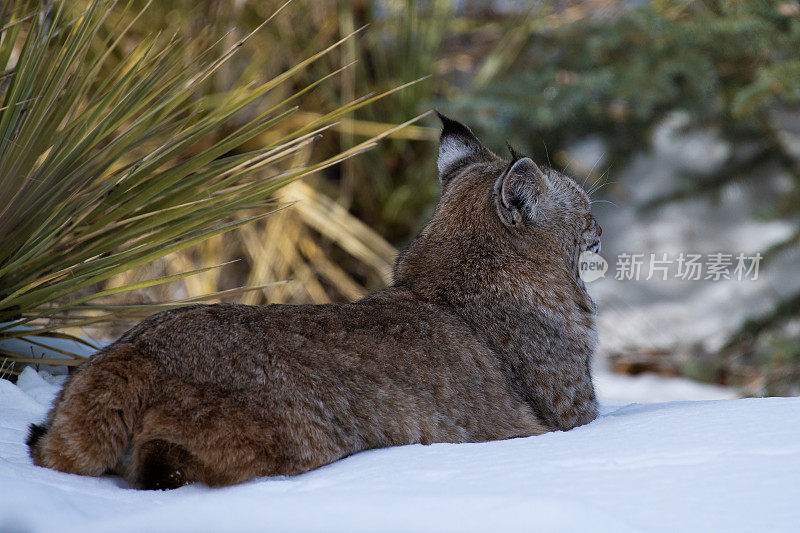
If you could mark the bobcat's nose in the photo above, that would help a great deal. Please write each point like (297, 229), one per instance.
(599, 230)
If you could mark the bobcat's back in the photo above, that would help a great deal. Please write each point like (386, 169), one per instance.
(278, 389)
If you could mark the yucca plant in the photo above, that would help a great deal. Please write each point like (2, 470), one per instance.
(389, 188)
(107, 163)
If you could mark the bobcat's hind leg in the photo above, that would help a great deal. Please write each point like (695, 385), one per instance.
(203, 433)
(91, 422)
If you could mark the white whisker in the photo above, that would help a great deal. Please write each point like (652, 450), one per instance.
(605, 202)
(547, 154)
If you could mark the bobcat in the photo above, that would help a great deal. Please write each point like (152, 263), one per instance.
(486, 333)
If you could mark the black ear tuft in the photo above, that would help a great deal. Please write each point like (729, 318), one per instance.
(458, 146)
(454, 128)
(515, 156)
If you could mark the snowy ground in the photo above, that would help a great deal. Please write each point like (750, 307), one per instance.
(728, 465)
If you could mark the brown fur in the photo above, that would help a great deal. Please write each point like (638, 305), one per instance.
(486, 333)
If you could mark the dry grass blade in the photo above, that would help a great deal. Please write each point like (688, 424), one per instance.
(336, 224)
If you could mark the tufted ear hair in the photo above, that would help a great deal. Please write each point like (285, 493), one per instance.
(458, 147)
(517, 192)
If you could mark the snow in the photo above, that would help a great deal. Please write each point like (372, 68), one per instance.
(648, 388)
(729, 465)
(676, 315)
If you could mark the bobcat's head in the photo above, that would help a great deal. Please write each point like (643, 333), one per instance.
(530, 201)
(525, 223)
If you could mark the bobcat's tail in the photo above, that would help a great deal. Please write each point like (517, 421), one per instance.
(91, 424)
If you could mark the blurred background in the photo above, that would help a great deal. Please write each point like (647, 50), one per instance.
(683, 117)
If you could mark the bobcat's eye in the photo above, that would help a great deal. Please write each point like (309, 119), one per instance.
(591, 236)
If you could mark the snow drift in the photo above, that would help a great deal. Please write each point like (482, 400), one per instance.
(729, 465)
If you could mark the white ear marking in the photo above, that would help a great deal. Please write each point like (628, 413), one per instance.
(457, 144)
(452, 150)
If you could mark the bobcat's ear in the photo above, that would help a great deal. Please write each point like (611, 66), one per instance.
(458, 146)
(517, 192)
